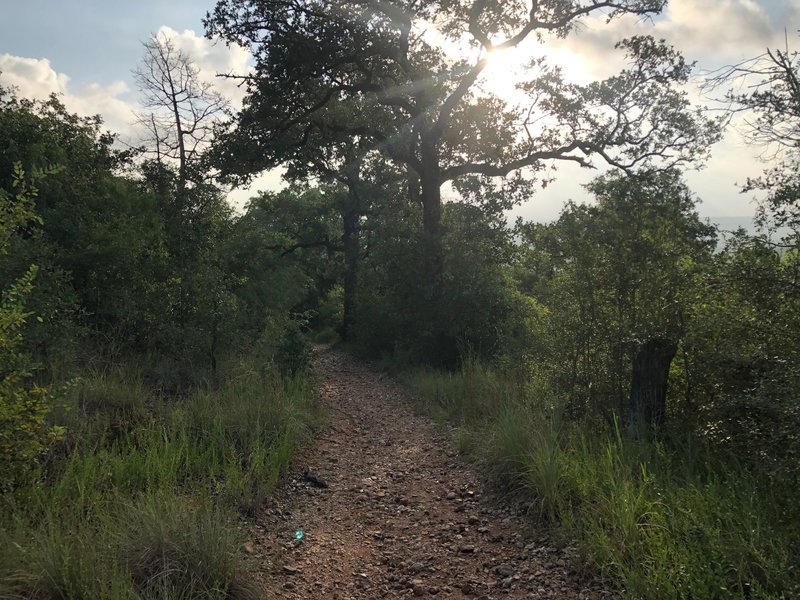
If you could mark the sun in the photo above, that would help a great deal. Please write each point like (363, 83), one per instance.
(506, 69)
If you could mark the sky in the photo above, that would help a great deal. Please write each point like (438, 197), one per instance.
(86, 50)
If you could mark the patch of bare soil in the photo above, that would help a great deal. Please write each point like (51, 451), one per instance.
(402, 515)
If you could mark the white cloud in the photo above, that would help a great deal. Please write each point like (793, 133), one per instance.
(35, 78)
(269, 181)
(712, 32)
(717, 29)
(116, 101)
(717, 186)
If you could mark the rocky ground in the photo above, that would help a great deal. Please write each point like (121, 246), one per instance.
(401, 514)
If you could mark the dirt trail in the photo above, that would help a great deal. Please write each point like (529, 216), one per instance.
(402, 516)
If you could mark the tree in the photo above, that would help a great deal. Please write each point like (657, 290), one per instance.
(418, 104)
(185, 113)
(331, 158)
(99, 244)
(280, 253)
(322, 152)
(618, 278)
(740, 358)
(183, 109)
(770, 104)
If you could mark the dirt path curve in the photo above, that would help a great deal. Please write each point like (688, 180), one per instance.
(402, 516)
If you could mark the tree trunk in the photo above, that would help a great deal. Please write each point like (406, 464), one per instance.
(431, 197)
(649, 384)
(351, 245)
(212, 351)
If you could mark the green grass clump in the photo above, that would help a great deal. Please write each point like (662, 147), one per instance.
(466, 396)
(663, 519)
(173, 548)
(666, 527)
(142, 498)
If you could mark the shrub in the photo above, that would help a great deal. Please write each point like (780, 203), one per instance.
(24, 406)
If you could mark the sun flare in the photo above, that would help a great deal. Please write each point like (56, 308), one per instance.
(506, 69)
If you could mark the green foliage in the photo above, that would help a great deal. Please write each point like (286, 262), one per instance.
(24, 431)
(173, 548)
(279, 254)
(99, 240)
(319, 102)
(395, 314)
(147, 266)
(194, 392)
(612, 277)
(739, 370)
(155, 547)
(466, 395)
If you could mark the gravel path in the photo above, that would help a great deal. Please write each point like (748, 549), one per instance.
(402, 516)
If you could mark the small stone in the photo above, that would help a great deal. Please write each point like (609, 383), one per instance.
(418, 586)
(504, 570)
(467, 549)
(289, 570)
(451, 495)
(249, 548)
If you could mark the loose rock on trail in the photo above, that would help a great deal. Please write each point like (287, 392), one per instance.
(401, 515)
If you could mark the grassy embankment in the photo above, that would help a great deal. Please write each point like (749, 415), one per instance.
(664, 519)
(143, 496)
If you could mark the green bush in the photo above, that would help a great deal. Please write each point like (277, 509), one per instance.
(24, 406)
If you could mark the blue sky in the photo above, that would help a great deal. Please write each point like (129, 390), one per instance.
(92, 40)
(85, 50)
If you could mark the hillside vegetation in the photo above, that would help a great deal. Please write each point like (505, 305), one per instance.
(623, 371)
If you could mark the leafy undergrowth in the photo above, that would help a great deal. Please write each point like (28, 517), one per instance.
(142, 497)
(661, 519)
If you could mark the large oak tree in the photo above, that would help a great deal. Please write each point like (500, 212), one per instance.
(417, 101)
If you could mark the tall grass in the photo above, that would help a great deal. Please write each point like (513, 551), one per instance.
(467, 396)
(142, 498)
(665, 519)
